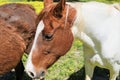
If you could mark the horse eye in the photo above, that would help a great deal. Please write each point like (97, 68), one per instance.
(48, 37)
(47, 52)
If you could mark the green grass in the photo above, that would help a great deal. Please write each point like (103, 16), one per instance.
(36, 4)
(68, 64)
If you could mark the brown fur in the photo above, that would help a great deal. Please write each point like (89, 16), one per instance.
(22, 17)
(17, 29)
(11, 47)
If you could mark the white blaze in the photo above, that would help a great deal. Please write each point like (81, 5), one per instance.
(29, 65)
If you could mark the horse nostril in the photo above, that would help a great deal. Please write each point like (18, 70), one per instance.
(42, 73)
(31, 74)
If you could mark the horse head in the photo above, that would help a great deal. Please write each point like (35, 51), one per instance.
(53, 37)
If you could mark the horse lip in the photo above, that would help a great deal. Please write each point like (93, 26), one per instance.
(42, 74)
(42, 77)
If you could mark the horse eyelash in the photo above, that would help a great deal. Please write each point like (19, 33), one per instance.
(48, 37)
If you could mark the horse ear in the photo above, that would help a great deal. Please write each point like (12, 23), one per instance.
(59, 8)
(47, 2)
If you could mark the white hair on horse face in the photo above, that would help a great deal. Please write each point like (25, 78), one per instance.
(40, 27)
(29, 65)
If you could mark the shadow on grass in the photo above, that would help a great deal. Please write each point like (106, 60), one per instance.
(79, 75)
(11, 76)
(99, 74)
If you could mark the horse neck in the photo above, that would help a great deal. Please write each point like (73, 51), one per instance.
(89, 15)
(100, 21)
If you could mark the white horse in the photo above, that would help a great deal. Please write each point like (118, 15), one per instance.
(96, 24)
(101, 36)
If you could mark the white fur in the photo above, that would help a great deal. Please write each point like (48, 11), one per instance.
(29, 65)
(100, 35)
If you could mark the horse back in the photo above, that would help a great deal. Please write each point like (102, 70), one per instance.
(22, 18)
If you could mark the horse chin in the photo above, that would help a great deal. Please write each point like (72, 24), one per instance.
(42, 78)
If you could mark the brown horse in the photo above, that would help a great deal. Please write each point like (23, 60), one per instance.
(96, 24)
(17, 28)
(53, 37)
